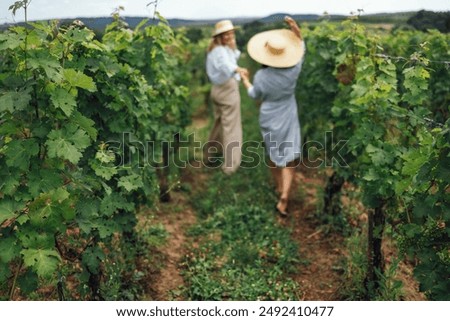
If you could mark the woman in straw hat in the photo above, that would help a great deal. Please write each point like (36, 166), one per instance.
(224, 74)
(281, 53)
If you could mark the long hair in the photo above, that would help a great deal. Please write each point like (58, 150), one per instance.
(215, 41)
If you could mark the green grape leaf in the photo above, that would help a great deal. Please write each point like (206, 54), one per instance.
(50, 207)
(67, 143)
(63, 100)
(378, 155)
(10, 41)
(10, 128)
(416, 84)
(43, 180)
(51, 67)
(414, 160)
(87, 214)
(30, 238)
(5, 271)
(443, 168)
(80, 139)
(131, 182)
(44, 262)
(106, 229)
(78, 79)
(19, 153)
(9, 180)
(92, 258)
(371, 175)
(60, 147)
(85, 124)
(28, 282)
(8, 209)
(41, 209)
(111, 203)
(105, 156)
(67, 210)
(8, 249)
(80, 35)
(107, 172)
(15, 100)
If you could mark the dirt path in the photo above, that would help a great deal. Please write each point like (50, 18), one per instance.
(319, 279)
(176, 217)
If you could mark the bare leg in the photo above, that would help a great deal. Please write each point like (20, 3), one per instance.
(276, 174)
(287, 177)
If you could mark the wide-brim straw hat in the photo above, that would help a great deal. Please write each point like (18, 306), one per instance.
(222, 27)
(279, 48)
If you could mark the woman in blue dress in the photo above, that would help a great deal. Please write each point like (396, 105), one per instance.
(281, 53)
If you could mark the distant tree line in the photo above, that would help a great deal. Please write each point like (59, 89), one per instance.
(424, 20)
(194, 35)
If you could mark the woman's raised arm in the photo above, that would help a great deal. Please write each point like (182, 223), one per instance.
(294, 27)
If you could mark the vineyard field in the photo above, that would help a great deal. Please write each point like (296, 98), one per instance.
(104, 194)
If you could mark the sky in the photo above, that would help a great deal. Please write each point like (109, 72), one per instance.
(206, 9)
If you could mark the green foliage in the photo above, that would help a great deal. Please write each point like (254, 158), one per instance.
(76, 114)
(19, 5)
(355, 267)
(194, 35)
(243, 256)
(394, 113)
(425, 20)
(69, 176)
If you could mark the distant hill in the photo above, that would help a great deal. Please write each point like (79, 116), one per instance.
(276, 17)
(99, 23)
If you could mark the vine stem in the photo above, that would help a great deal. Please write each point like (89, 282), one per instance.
(155, 2)
(13, 287)
(26, 11)
(25, 7)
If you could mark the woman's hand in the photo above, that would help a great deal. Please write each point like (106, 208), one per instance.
(245, 75)
(232, 43)
(291, 22)
(293, 25)
(243, 72)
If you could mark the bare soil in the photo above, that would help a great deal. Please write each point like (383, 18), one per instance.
(176, 217)
(320, 279)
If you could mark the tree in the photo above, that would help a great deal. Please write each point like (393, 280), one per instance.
(425, 20)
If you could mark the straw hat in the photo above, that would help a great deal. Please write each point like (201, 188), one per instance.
(279, 48)
(223, 26)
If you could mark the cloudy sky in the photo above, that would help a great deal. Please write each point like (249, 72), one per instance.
(200, 9)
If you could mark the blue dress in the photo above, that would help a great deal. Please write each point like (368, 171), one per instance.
(278, 117)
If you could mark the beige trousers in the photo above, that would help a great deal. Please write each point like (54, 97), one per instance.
(227, 128)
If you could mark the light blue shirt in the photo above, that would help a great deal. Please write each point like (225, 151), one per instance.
(221, 64)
